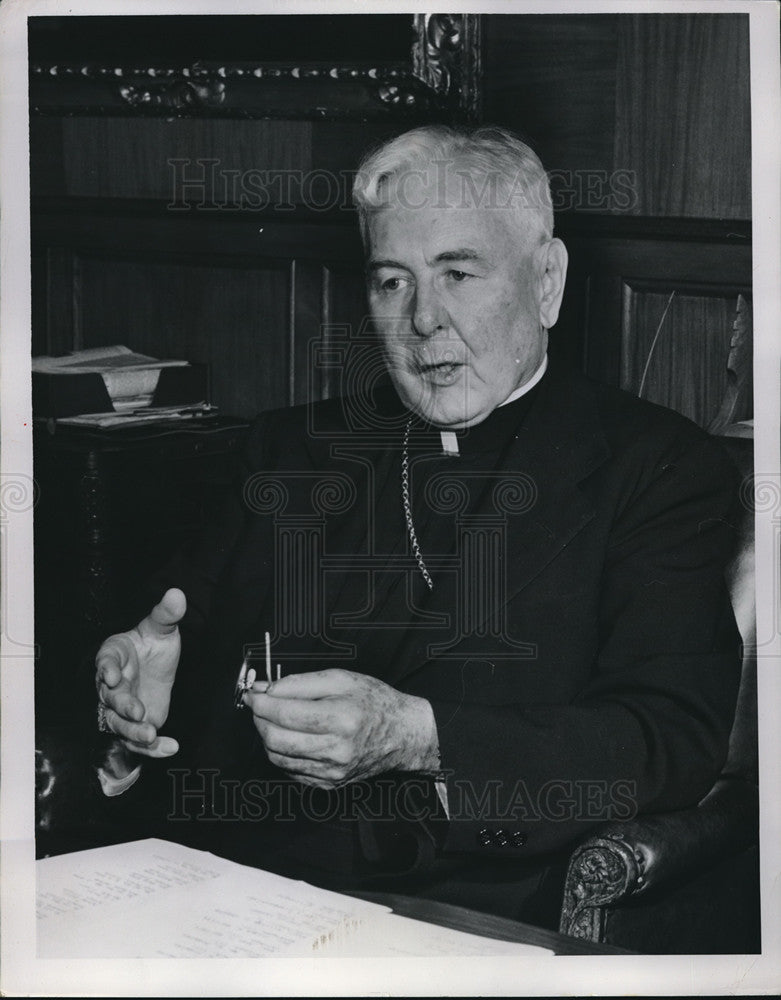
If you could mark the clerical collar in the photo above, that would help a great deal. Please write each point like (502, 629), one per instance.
(527, 386)
(491, 433)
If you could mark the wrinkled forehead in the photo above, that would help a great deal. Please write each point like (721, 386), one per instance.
(462, 194)
(450, 183)
(402, 227)
(398, 230)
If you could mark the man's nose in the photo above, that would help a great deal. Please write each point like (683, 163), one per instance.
(428, 314)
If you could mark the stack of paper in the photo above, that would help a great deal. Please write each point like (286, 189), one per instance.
(133, 418)
(130, 378)
(154, 899)
(131, 381)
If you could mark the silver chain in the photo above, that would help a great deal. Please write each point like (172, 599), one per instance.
(406, 504)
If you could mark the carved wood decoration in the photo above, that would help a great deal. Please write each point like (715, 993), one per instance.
(601, 872)
(438, 76)
(737, 399)
(446, 56)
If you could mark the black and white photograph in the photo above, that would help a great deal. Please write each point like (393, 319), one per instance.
(390, 498)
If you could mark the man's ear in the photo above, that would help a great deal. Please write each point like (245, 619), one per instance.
(553, 275)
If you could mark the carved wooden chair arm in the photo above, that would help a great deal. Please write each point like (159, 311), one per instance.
(632, 859)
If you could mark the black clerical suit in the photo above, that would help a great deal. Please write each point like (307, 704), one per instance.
(578, 646)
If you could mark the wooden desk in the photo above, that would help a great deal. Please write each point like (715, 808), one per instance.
(266, 915)
(471, 921)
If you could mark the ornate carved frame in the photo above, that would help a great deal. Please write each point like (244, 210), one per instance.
(440, 79)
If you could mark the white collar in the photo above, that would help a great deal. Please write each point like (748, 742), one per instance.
(527, 386)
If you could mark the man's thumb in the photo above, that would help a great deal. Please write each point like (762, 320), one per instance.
(165, 616)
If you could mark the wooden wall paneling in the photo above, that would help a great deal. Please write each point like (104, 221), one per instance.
(552, 77)
(113, 224)
(47, 160)
(55, 300)
(683, 121)
(219, 288)
(618, 277)
(109, 157)
(305, 329)
(353, 362)
(567, 340)
(675, 344)
(231, 314)
(602, 348)
(131, 158)
(340, 146)
(661, 97)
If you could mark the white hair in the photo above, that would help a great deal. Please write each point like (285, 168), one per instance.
(494, 168)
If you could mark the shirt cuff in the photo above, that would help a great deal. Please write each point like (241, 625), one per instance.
(116, 786)
(441, 788)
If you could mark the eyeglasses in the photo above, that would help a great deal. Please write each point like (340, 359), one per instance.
(248, 674)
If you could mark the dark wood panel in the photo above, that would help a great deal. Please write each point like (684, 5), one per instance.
(338, 146)
(47, 162)
(552, 77)
(352, 359)
(131, 158)
(675, 347)
(602, 267)
(305, 330)
(54, 303)
(112, 224)
(683, 123)
(248, 299)
(233, 318)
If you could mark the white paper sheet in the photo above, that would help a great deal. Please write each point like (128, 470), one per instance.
(151, 899)
(154, 899)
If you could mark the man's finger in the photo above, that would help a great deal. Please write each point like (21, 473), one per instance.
(112, 657)
(296, 714)
(108, 672)
(143, 734)
(310, 772)
(287, 742)
(163, 746)
(164, 617)
(123, 703)
(317, 684)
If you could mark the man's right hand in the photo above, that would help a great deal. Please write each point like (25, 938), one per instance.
(135, 672)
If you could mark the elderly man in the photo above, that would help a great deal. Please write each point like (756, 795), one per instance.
(494, 589)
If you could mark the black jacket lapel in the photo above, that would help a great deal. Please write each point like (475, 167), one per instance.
(518, 528)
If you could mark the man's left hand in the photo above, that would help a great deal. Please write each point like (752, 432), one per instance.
(334, 726)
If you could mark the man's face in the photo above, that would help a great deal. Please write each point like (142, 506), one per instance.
(455, 296)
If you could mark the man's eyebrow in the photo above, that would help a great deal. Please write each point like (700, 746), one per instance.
(462, 253)
(376, 265)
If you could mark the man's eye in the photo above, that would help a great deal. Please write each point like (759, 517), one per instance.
(391, 284)
(457, 275)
